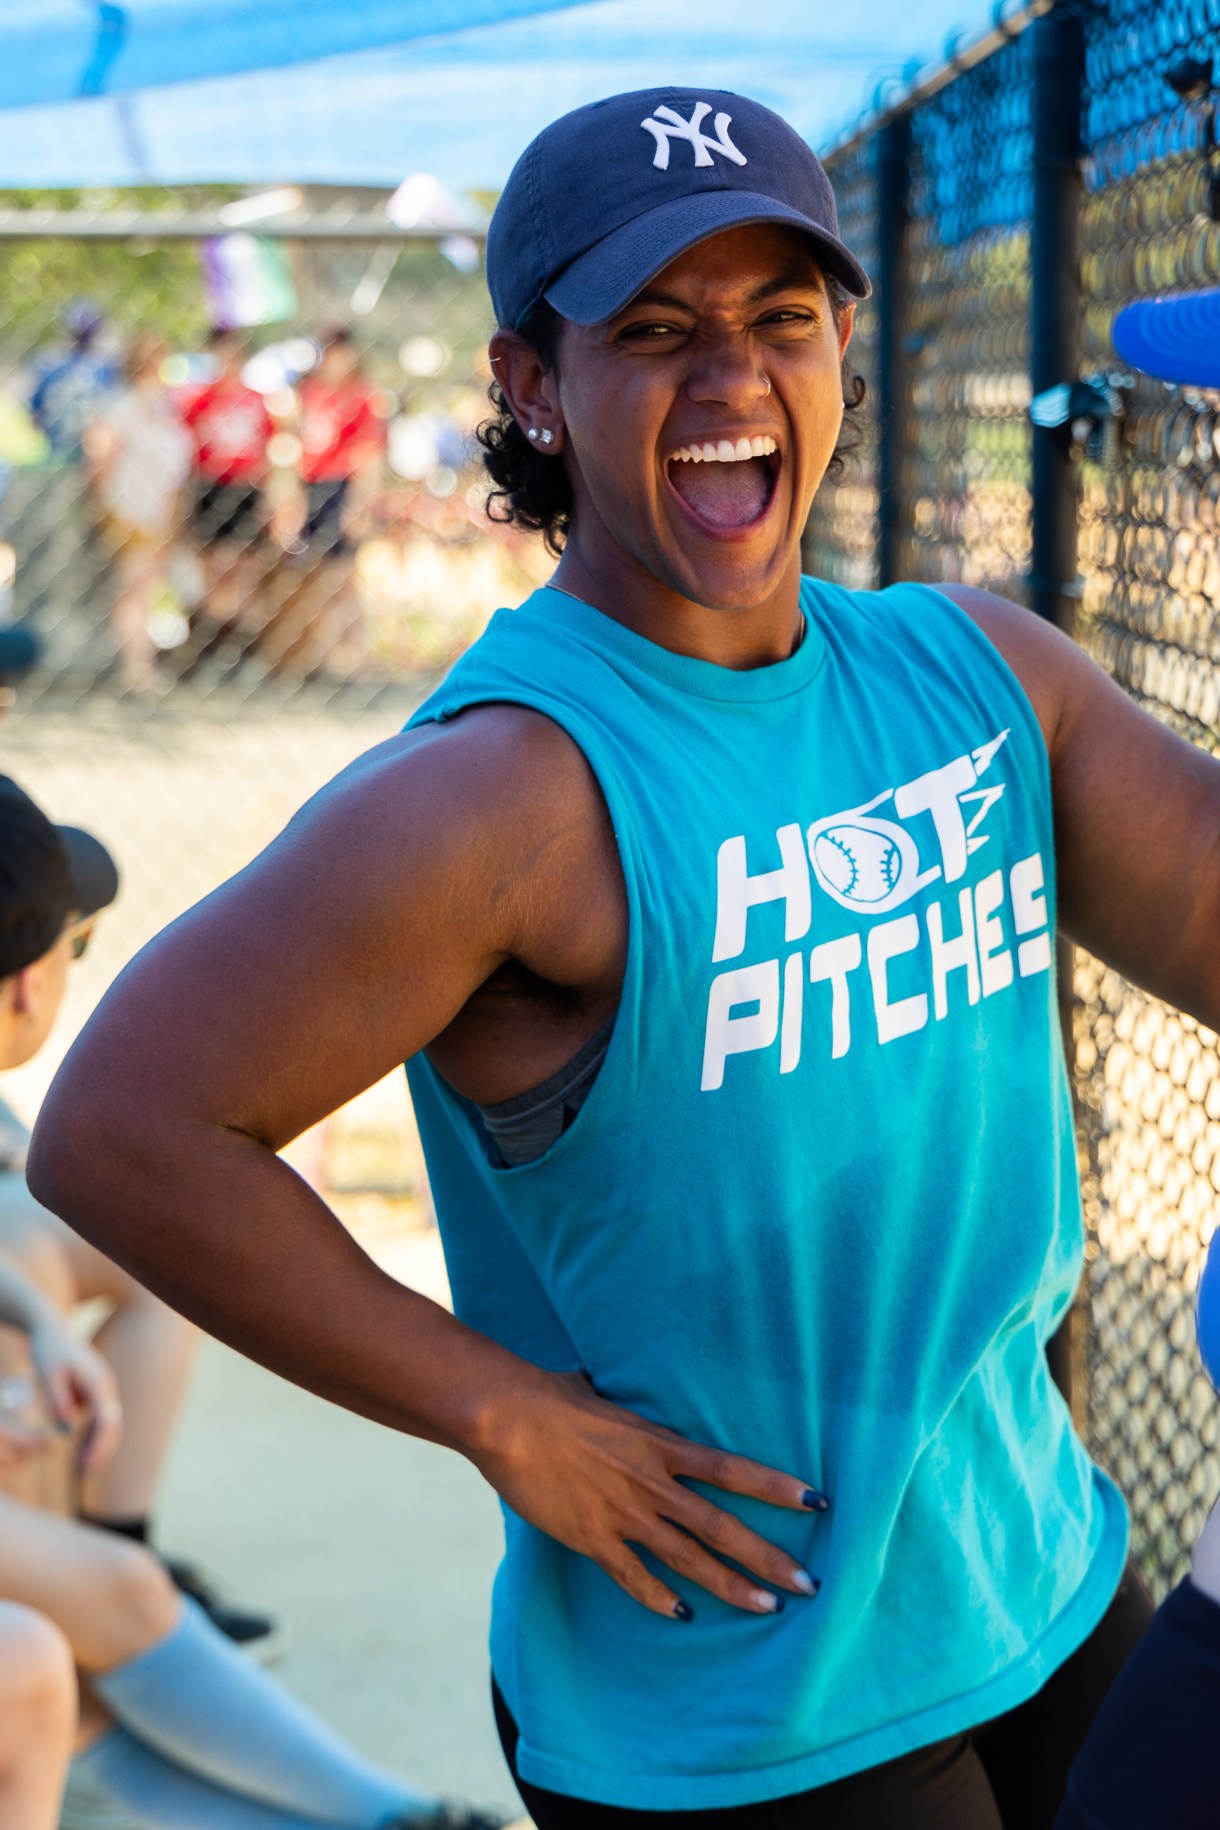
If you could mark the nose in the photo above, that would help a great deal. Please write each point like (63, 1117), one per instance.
(726, 372)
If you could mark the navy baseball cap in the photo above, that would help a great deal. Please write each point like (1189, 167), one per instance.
(48, 874)
(611, 193)
(1175, 338)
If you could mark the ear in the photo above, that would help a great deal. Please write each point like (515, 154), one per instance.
(846, 327)
(530, 388)
(27, 990)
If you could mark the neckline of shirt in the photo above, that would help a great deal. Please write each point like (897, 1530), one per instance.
(685, 673)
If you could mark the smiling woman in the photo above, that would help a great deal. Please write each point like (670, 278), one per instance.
(533, 493)
(710, 907)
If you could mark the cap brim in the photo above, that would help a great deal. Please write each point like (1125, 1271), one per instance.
(600, 282)
(95, 876)
(1173, 339)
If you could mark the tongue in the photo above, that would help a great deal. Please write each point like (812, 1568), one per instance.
(727, 495)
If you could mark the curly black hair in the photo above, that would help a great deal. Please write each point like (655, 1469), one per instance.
(532, 491)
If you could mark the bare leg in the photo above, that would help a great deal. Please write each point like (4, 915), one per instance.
(147, 1344)
(110, 1598)
(37, 1719)
(138, 571)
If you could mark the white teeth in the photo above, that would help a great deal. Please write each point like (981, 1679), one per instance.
(728, 451)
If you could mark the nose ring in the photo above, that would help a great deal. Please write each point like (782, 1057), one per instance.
(767, 379)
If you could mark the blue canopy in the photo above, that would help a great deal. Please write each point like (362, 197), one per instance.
(251, 91)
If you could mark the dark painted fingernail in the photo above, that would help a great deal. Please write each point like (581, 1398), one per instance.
(682, 1612)
(779, 1604)
(817, 1502)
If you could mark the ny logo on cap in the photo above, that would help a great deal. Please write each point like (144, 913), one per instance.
(668, 125)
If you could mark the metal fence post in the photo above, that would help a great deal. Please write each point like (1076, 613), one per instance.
(1058, 64)
(893, 217)
(1058, 186)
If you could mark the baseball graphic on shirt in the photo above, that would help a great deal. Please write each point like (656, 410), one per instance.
(863, 863)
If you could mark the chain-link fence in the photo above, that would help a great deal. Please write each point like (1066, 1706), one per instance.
(227, 617)
(244, 557)
(952, 433)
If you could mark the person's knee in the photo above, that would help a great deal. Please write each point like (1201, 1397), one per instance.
(138, 1603)
(37, 1677)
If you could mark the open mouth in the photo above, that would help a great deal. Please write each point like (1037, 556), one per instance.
(727, 484)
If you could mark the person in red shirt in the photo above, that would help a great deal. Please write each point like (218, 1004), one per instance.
(231, 426)
(342, 433)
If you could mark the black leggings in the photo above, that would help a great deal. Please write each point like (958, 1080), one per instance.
(1009, 1774)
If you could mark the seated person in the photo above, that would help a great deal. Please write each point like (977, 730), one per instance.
(54, 881)
(179, 1731)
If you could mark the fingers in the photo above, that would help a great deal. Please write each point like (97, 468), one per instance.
(639, 1582)
(99, 1394)
(717, 1468)
(61, 1397)
(729, 1538)
(689, 1558)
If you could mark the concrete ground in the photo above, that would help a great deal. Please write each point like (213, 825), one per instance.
(377, 1550)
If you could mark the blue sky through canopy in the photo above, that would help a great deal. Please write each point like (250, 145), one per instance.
(311, 91)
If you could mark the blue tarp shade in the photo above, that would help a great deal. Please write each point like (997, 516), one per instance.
(57, 50)
(460, 106)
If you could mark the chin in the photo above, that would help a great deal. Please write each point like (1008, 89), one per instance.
(735, 585)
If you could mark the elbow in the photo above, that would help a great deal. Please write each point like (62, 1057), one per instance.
(66, 1141)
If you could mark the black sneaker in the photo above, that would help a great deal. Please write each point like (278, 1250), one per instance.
(260, 1635)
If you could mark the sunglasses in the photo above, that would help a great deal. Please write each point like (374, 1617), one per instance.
(81, 936)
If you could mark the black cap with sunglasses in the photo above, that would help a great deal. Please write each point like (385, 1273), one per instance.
(50, 877)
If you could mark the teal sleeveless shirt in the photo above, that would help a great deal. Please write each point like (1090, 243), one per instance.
(819, 1207)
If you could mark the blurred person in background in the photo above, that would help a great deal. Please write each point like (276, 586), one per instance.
(139, 455)
(66, 391)
(342, 432)
(20, 650)
(231, 427)
(73, 383)
(54, 883)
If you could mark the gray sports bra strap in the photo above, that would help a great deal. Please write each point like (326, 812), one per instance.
(524, 1128)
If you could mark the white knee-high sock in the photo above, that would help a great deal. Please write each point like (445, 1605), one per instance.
(196, 1700)
(139, 1785)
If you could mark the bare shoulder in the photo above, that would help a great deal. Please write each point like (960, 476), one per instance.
(501, 777)
(1045, 661)
(495, 811)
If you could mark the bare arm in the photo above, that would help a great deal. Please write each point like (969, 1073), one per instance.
(352, 942)
(74, 1377)
(1137, 816)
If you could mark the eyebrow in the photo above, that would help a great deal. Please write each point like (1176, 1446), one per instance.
(782, 282)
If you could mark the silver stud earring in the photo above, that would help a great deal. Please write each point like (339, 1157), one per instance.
(532, 433)
(547, 436)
